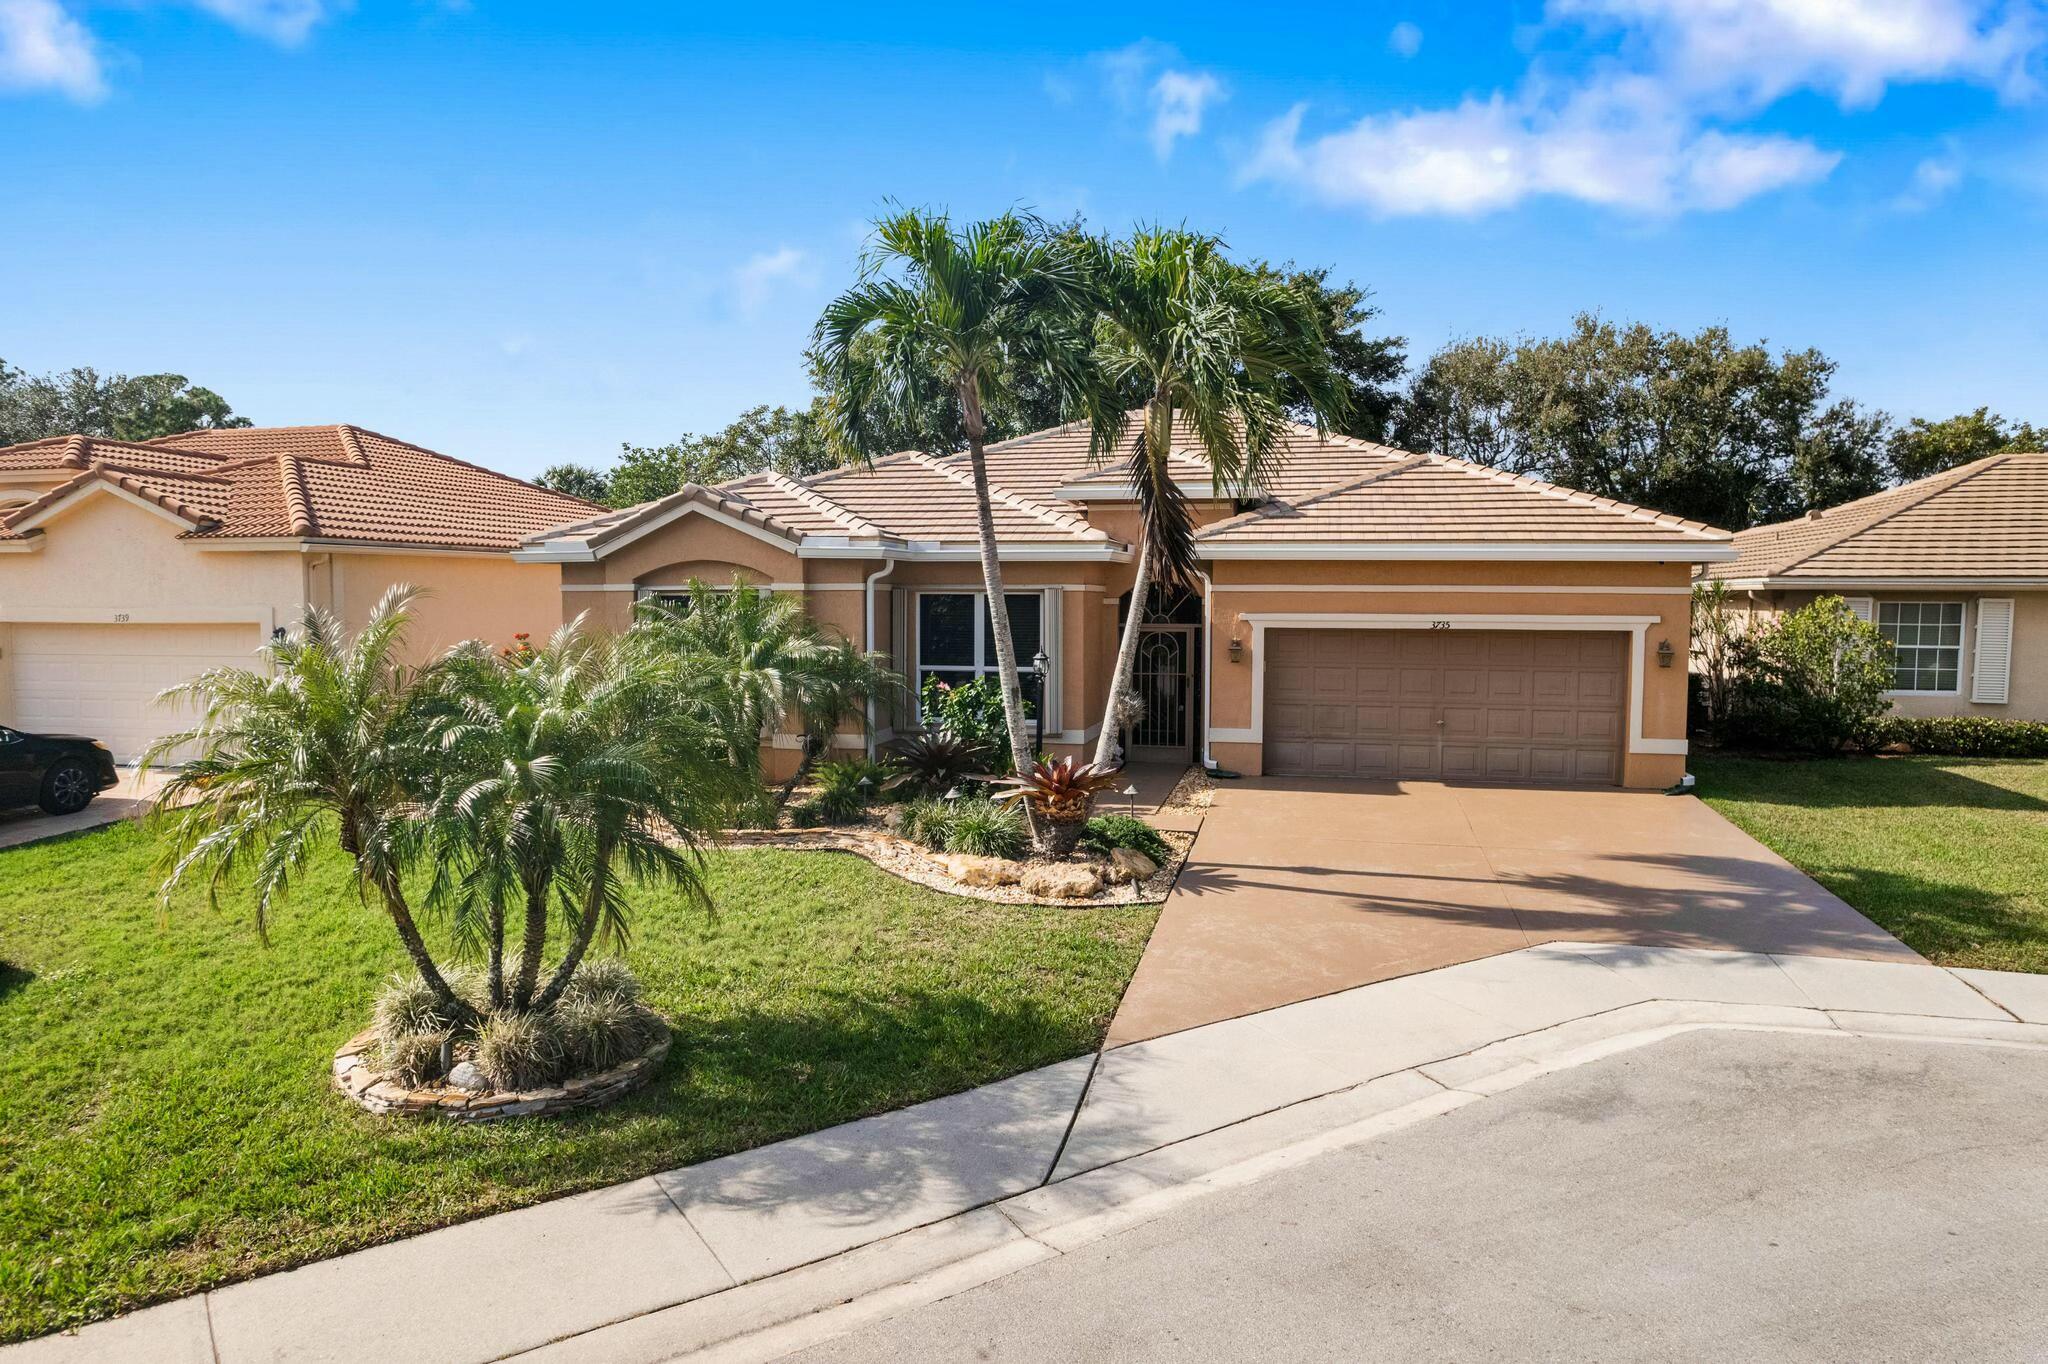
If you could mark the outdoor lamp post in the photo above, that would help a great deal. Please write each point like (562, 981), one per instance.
(1039, 663)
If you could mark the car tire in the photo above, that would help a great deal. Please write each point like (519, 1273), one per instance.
(68, 787)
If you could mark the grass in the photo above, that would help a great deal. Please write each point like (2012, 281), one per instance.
(1950, 854)
(167, 1124)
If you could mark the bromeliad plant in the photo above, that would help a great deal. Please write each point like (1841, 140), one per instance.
(1059, 795)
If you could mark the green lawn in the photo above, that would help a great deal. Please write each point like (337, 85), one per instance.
(1951, 854)
(166, 1121)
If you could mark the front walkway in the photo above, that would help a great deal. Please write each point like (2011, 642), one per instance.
(764, 1252)
(1299, 887)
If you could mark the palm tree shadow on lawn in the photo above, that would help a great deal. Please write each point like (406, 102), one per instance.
(13, 978)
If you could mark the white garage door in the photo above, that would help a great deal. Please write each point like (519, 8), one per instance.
(102, 680)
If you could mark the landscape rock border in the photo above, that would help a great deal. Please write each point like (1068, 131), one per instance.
(357, 1077)
(902, 858)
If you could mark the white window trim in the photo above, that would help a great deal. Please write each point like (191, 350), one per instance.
(1960, 646)
(1637, 627)
(915, 646)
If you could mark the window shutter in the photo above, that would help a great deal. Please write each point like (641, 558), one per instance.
(1991, 672)
(1050, 638)
(1863, 608)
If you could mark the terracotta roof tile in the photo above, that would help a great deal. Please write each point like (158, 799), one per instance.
(324, 482)
(1986, 519)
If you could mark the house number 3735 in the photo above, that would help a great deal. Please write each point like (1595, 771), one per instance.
(1439, 625)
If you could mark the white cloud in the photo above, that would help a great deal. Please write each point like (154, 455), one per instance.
(1654, 125)
(1758, 50)
(1150, 78)
(1617, 145)
(1932, 181)
(760, 276)
(1404, 39)
(286, 22)
(1178, 99)
(44, 48)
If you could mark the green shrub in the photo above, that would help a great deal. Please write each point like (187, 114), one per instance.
(926, 822)
(845, 790)
(973, 713)
(598, 1031)
(604, 978)
(1811, 681)
(935, 763)
(1104, 834)
(411, 1028)
(520, 1050)
(757, 811)
(1965, 736)
(985, 829)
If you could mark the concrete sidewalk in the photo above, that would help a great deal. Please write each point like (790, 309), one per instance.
(770, 1250)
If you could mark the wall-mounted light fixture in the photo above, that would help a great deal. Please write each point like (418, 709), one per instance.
(1665, 653)
(277, 634)
(1236, 650)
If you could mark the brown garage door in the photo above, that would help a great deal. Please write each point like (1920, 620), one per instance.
(1471, 705)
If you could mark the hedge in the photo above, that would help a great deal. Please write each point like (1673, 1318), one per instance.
(1965, 736)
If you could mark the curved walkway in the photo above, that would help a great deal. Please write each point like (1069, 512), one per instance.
(1299, 887)
(757, 1254)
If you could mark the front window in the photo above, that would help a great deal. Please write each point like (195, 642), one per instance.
(956, 639)
(1927, 639)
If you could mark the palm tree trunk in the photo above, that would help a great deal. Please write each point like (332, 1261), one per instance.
(813, 749)
(992, 580)
(1126, 658)
(395, 905)
(530, 946)
(586, 928)
(497, 962)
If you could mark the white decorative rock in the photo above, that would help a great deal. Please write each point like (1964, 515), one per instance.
(467, 1076)
(1060, 881)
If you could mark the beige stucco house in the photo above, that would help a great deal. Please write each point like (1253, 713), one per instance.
(1372, 613)
(1953, 569)
(127, 567)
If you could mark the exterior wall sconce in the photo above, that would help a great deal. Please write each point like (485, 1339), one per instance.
(1237, 651)
(1665, 653)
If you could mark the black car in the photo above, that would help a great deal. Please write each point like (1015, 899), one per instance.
(60, 772)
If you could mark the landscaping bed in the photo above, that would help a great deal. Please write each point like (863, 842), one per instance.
(1949, 854)
(168, 1120)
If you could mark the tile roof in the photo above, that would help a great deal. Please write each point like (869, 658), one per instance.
(1323, 488)
(339, 483)
(1986, 519)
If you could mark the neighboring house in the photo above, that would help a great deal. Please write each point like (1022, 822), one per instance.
(1953, 569)
(1376, 614)
(127, 567)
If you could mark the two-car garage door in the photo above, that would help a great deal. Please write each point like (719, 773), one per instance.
(102, 680)
(1474, 705)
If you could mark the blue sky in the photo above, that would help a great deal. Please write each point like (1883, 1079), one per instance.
(524, 233)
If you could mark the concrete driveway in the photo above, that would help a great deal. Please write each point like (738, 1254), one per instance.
(1728, 1196)
(131, 799)
(1298, 888)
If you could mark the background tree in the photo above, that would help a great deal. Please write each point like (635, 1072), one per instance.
(577, 480)
(953, 313)
(1922, 447)
(1221, 347)
(1698, 426)
(114, 406)
(1369, 368)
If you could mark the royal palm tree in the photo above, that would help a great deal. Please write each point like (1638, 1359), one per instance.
(1209, 343)
(571, 771)
(959, 313)
(774, 668)
(334, 738)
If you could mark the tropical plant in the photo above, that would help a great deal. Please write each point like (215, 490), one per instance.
(571, 771)
(940, 312)
(773, 667)
(847, 788)
(334, 736)
(934, 763)
(1212, 344)
(1059, 794)
(1104, 834)
(1716, 650)
(924, 821)
(972, 712)
(1812, 681)
(982, 828)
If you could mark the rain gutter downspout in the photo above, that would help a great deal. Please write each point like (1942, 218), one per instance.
(1208, 655)
(868, 594)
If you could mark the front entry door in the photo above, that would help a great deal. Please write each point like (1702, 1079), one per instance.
(1163, 679)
